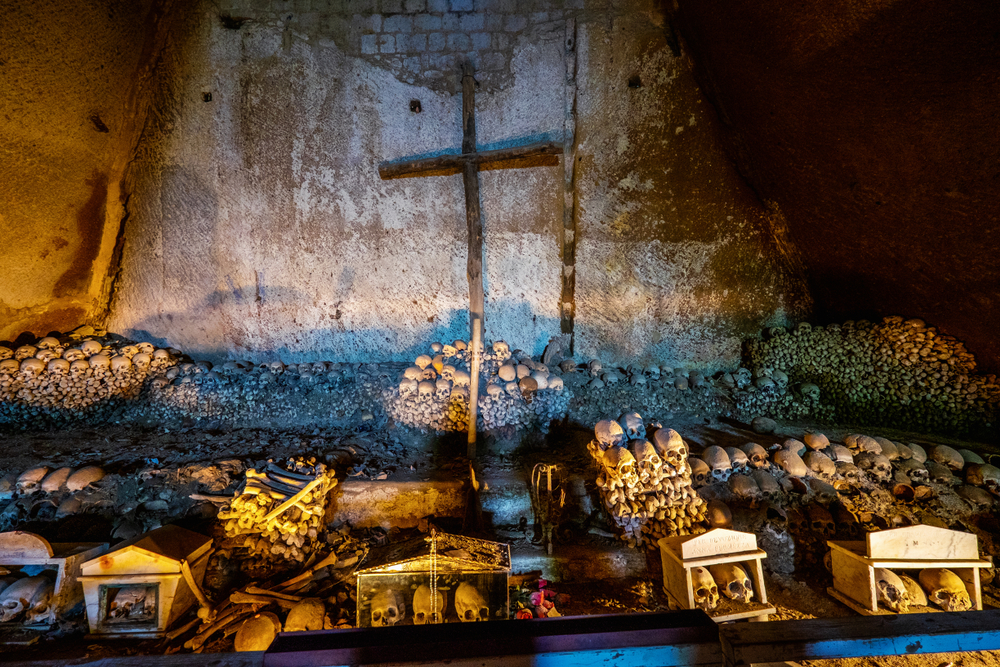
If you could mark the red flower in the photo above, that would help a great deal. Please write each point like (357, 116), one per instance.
(524, 613)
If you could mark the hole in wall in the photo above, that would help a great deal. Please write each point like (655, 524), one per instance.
(635, 82)
(415, 106)
(99, 123)
(232, 22)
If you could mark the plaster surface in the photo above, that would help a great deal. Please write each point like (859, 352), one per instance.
(872, 127)
(71, 101)
(259, 226)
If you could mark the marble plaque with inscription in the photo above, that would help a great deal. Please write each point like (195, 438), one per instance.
(924, 543)
(718, 542)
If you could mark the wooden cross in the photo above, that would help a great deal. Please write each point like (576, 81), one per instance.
(469, 162)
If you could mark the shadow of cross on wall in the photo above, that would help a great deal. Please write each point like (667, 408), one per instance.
(469, 163)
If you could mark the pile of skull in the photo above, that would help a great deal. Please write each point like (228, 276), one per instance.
(515, 390)
(388, 605)
(730, 578)
(279, 511)
(824, 470)
(646, 485)
(241, 393)
(897, 373)
(61, 382)
(43, 493)
(654, 389)
(768, 392)
(27, 599)
(942, 587)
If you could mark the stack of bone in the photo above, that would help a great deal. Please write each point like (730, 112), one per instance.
(897, 373)
(646, 484)
(280, 510)
(61, 381)
(515, 390)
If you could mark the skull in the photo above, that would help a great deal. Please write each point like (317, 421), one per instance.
(756, 454)
(388, 608)
(462, 379)
(426, 390)
(848, 471)
(595, 367)
(23, 595)
(448, 372)
(821, 521)
(700, 472)
(609, 433)
(556, 383)
(632, 425)
(914, 592)
(512, 389)
(841, 453)
(810, 392)
(90, 347)
(32, 367)
(407, 387)
(46, 355)
(671, 447)
(887, 448)
(648, 462)
(738, 458)
(257, 633)
(501, 350)
(448, 351)
(48, 343)
(429, 373)
(6, 353)
(947, 456)
(912, 469)
(492, 389)
(276, 367)
(129, 351)
(984, 475)
(423, 361)
(780, 379)
(443, 389)
(163, 356)
(791, 463)
(619, 465)
(918, 452)
(59, 367)
(79, 368)
(73, 354)
(541, 379)
(706, 592)
(743, 378)
(9, 366)
(423, 611)
(744, 487)
(413, 373)
(718, 515)
(767, 484)
(719, 462)
(820, 463)
(945, 589)
(25, 352)
(142, 362)
(875, 464)
(891, 590)
(733, 581)
(146, 348)
(470, 604)
(121, 364)
(309, 614)
(816, 441)
(29, 480)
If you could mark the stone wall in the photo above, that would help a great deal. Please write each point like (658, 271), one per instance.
(70, 114)
(259, 227)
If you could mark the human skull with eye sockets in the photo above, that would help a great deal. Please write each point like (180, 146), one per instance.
(609, 433)
(619, 466)
(672, 449)
(470, 604)
(719, 462)
(756, 454)
(706, 591)
(387, 608)
(632, 425)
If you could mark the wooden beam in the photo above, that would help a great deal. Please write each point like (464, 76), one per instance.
(859, 636)
(537, 154)
(474, 265)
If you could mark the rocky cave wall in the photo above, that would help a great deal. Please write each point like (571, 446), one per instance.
(259, 228)
(871, 126)
(70, 113)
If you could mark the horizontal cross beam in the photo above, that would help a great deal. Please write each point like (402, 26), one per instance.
(542, 153)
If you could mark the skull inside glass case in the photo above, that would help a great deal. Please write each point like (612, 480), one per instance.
(439, 578)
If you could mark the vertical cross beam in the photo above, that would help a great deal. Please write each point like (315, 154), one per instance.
(474, 266)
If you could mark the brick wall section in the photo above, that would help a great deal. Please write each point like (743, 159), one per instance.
(423, 42)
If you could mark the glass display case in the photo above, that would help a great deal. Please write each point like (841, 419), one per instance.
(439, 578)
